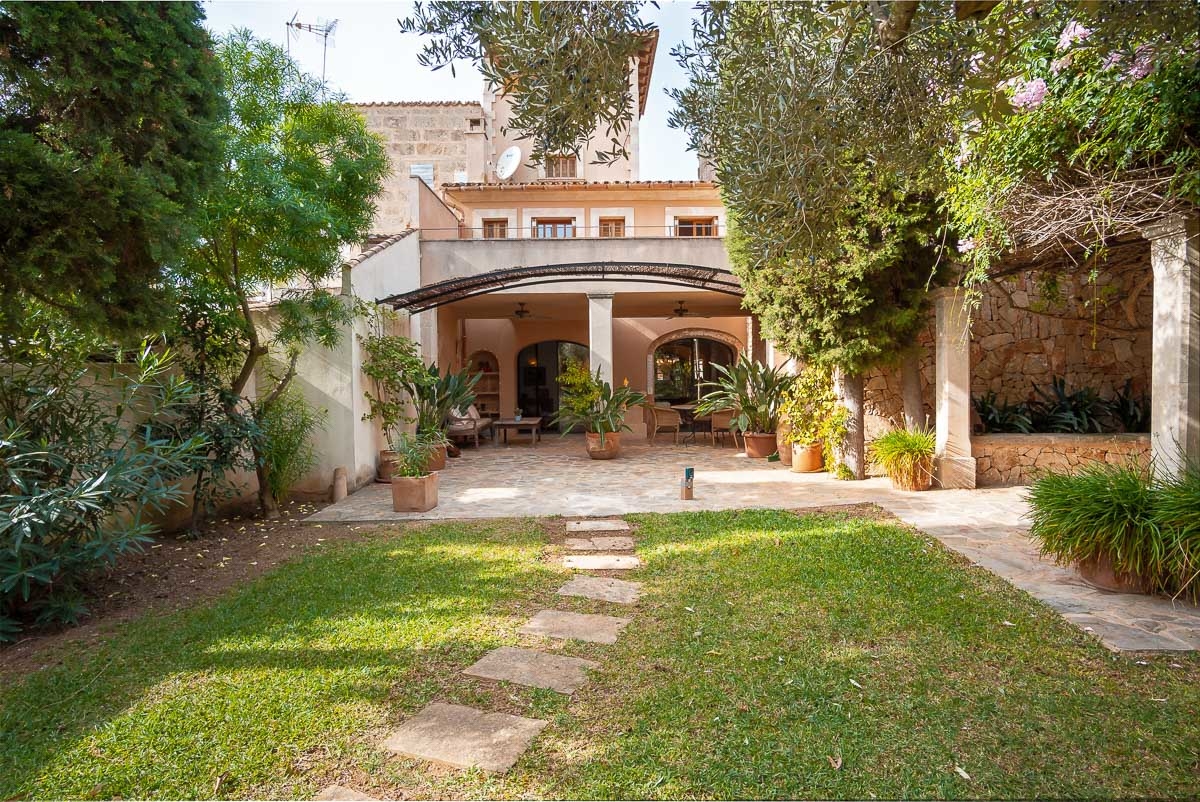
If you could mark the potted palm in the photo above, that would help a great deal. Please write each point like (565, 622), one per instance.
(755, 394)
(414, 485)
(591, 402)
(906, 456)
(812, 419)
(435, 397)
(395, 369)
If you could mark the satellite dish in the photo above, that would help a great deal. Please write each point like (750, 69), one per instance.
(508, 163)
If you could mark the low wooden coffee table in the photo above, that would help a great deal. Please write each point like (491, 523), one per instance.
(534, 425)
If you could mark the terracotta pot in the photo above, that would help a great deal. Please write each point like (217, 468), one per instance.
(437, 461)
(1099, 573)
(808, 457)
(414, 493)
(759, 445)
(920, 478)
(785, 448)
(610, 449)
(386, 464)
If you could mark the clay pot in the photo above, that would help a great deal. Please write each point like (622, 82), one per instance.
(414, 493)
(808, 457)
(1099, 573)
(785, 448)
(610, 449)
(759, 445)
(920, 478)
(386, 463)
(437, 461)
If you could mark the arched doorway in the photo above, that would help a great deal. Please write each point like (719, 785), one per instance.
(538, 366)
(681, 365)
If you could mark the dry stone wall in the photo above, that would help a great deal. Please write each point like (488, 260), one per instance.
(1016, 459)
(417, 133)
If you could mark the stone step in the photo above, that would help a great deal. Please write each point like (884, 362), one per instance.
(599, 543)
(602, 588)
(464, 737)
(338, 793)
(536, 669)
(575, 626)
(597, 526)
(602, 562)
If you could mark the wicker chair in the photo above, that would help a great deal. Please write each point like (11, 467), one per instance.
(721, 426)
(469, 425)
(661, 419)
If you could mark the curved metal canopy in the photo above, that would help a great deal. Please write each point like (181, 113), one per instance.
(458, 289)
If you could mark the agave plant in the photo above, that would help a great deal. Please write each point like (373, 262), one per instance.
(437, 396)
(752, 390)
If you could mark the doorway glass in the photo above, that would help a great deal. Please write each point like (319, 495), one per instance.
(538, 367)
(682, 366)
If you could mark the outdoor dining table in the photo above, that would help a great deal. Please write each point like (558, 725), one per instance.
(687, 414)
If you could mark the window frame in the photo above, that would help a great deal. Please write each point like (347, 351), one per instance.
(697, 223)
(565, 224)
(616, 226)
(491, 223)
(560, 160)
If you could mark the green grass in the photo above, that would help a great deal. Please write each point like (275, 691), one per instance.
(735, 679)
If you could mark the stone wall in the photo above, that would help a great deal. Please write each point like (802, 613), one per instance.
(1016, 459)
(417, 133)
(1029, 329)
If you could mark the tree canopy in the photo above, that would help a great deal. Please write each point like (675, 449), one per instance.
(108, 115)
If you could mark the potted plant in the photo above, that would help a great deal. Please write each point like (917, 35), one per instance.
(591, 402)
(395, 367)
(755, 393)
(436, 397)
(812, 418)
(906, 456)
(414, 486)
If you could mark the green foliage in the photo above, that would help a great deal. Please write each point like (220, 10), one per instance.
(394, 365)
(1058, 410)
(413, 452)
(1131, 410)
(591, 402)
(86, 460)
(904, 454)
(1000, 417)
(752, 390)
(438, 395)
(107, 141)
(812, 410)
(1147, 526)
(287, 428)
(568, 62)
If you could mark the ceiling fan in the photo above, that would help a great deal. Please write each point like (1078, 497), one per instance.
(521, 313)
(682, 311)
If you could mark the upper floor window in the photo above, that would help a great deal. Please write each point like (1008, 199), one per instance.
(560, 167)
(422, 171)
(612, 226)
(695, 226)
(553, 227)
(495, 229)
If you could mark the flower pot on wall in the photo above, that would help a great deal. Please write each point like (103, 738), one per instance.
(781, 441)
(919, 478)
(414, 493)
(437, 462)
(759, 445)
(386, 463)
(610, 449)
(808, 457)
(1099, 573)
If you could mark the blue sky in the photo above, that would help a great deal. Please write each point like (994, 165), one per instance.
(370, 59)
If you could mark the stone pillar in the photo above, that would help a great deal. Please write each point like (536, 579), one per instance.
(425, 332)
(600, 334)
(1175, 364)
(953, 465)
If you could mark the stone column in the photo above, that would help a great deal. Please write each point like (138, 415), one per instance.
(600, 334)
(425, 332)
(953, 465)
(1175, 364)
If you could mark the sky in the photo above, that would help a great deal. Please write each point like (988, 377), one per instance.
(370, 60)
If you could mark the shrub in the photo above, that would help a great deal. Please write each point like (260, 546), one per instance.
(1177, 514)
(906, 455)
(82, 464)
(591, 402)
(413, 452)
(287, 427)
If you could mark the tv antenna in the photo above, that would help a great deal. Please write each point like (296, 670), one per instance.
(322, 29)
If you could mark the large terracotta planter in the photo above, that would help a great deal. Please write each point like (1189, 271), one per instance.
(1099, 573)
(414, 493)
(386, 464)
(781, 442)
(808, 457)
(759, 445)
(920, 478)
(610, 449)
(437, 461)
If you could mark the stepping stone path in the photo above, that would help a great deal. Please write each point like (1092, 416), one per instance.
(575, 626)
(536, 669)
(337, 793)
(464, 737)
(467, 738)
(602, 588)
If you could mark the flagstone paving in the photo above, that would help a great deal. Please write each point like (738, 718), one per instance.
(599, 543)
(338, 793)
(575, 626)
(602, 562)
(536, 669)
(602, 588)
(464, 737)
(597, 526)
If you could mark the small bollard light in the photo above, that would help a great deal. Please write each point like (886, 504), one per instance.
(685, 485)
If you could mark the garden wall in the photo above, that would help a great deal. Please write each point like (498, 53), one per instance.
(1044, 319)
(1016, 459)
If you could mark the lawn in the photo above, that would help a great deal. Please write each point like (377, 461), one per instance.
(773, 655)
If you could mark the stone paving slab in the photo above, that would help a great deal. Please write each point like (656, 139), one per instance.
(602, 562)
(597, 526)
(599, 543)
(338, 793)
(602, 588)
(464, 737)
(536, 669)
(575, 626)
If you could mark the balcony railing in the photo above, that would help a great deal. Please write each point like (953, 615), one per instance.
(575, 232)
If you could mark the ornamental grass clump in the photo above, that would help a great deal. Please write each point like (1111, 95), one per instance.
(906, 455)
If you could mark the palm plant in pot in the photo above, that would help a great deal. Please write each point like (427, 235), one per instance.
(436, 397)
(396, 369)
(814, 419)
(754, 392)
(906, 456)
(591, 402)
(414, 485)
